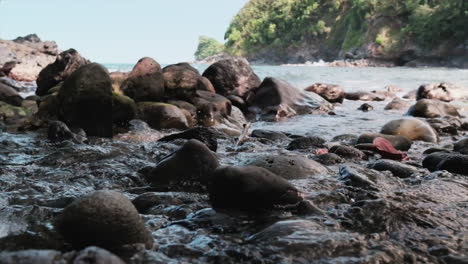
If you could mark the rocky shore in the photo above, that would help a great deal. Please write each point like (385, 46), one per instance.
(159, 165)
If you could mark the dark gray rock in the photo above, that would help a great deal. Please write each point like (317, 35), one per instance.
(451, 162)
(206, 135)
(302, 143)
(398, 169)
(269, 134)
(347, 152)
(461, 146)
(429, 108)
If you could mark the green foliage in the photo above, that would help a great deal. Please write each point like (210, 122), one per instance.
(343, 24)
(209, 46)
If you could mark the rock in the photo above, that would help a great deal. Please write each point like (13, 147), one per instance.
(232, 76)
(331, 92)
(307, 143)
(10, 95)
(30, 257)
(288, 167)
(399, 142)
(396, 168)
(393, 88)
(345, 138)
(66, 63)
(268, 134)
(118, 78)
(364, 96)
(442, 91)
(161, 115)
(182, 66)
(7, 68)
(183, 84)
(211, 108)
(85, 100)
(358, 177)
(33, 41)
(398, 104)
(59, 131)
(206, 135)
(448, 125)
(366, 108)
(328, 159)
(413, 129)
(123, 109)
(347, 152)
(451, 162)
(276, 99)
(411, 94)
(429, 108)
(250, 188)
(145, 82)
(192, 164)
(461, 146)
(104, 218)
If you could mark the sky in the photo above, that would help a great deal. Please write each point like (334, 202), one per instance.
(120, 31)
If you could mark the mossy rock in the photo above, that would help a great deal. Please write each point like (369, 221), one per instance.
(123, 109)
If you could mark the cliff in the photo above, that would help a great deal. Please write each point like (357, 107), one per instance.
(397, 32)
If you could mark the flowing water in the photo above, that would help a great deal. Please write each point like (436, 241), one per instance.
(422, 219)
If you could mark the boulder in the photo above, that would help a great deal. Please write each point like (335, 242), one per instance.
(269, 134)
(364, 96)
(398, 169)
(161, 115)
(33, 41)
(192, 164)
(461, 146)
(183, 84)
(331, 92)
(59, 131)
(411, 94)
(232, 76)
(206, 135)
(104, 218)
(399, 142)
(288, 167)
(305, 143)
(123, 109)
(145, 82)
(250, 188)
(182, 66)
(442, 91)
(211, 108)
(66, 63)
(397, 104)
(276, 99)
(10, 95)
(451, 162)
(347, 152)
(413, 129)
(430, 108)
(189, 110)
(85, 100)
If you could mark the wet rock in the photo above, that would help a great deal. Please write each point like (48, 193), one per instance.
(288, 167)
(359, 178)
(123, 109)
(429, 108)
(206, 135)
(328, 159)
(277, 99)
(183, 84)
(212, 108)
(145, 82)
(447, 125)
(446, 92)
(104, 218)
(198, 164)
(59, 131)
(181, 66)
(331, 92)
(398, 169)
(398, 104)
(85, 100)
(66, 63)
(94, 255)
(461, 146)
(250, 188)
(398, 142)
(366, 108)
(232, 76)
(413, 129)
(161, 115)
(364, 96)
(269, 134)
(30, 257)
(434, 150)
(312, 142)
(347, 152)
(10, 95)
(345, 138)
(451, 162)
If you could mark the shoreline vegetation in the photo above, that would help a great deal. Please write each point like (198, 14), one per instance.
(412, 33)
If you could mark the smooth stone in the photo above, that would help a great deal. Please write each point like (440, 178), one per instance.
(451, 162)
(398, 142)
(398, 169)
(413, 129)
(311, 142)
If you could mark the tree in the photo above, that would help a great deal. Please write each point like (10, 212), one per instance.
(208, 47)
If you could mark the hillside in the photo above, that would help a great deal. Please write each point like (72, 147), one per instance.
(399, 31)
